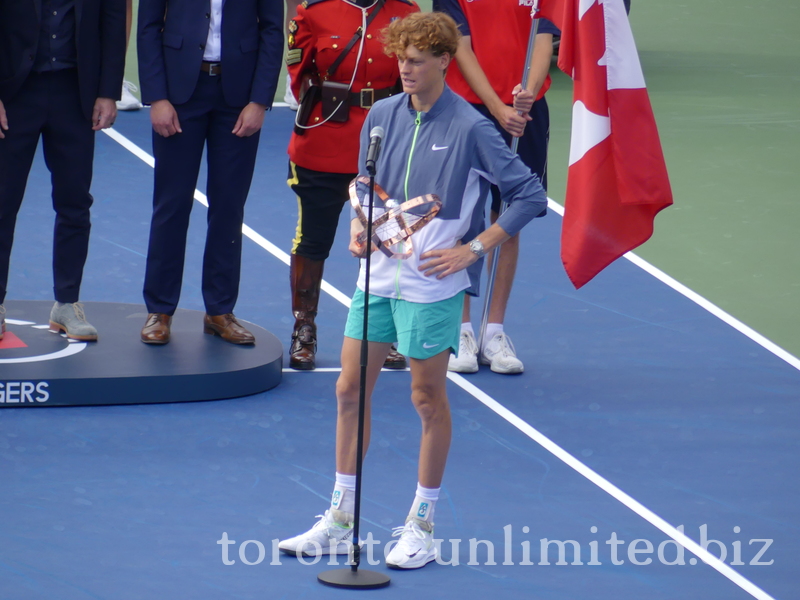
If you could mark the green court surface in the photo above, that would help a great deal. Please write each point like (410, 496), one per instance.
(724, 81)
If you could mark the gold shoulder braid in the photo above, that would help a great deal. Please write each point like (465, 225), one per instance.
(294, 56)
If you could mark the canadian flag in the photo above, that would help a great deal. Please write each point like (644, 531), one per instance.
(617, 180)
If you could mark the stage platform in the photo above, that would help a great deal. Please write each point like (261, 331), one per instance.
(41, 368)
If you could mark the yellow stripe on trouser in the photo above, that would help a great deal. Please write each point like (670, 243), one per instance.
(298, 233)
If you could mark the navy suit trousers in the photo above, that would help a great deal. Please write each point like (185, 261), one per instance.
(48, 106)
(205, 120)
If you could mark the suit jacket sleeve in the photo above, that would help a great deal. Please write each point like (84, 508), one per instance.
(112, 49)
(152, 70)
(270, 51)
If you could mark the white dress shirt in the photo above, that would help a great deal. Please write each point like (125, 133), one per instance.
(213, 51)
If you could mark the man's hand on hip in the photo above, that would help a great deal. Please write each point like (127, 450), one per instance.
(447, 261)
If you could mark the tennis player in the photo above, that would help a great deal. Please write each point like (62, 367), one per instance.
(435, 143)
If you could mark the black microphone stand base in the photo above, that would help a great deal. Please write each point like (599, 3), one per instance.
(354, 579)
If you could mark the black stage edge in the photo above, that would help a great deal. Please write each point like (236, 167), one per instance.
(354, 579)
(40, 368)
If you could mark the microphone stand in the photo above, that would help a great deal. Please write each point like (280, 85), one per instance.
(353, 578)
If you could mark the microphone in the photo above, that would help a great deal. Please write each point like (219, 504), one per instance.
(375, 137)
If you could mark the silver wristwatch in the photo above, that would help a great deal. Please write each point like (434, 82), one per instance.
(477, 247)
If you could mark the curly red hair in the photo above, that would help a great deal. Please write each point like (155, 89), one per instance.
(432, 31)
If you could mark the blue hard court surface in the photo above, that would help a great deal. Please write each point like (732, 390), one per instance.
(685, 414)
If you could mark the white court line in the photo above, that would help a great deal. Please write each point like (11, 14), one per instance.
(129, 146)
(512, 418)
(247, 231)
(700, 301)
(552, 205)
(610, 488)
(17, 322)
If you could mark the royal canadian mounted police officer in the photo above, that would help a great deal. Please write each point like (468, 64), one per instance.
(338, 72)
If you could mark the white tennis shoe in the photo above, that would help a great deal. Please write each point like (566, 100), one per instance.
(327, 536)
(499, 353)
(128, 100)
(467, 359)
(415, 548)
(288, 96)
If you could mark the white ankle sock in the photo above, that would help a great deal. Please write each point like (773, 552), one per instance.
(344, 493)
(467, 327)
(492, 329)
(424, 503)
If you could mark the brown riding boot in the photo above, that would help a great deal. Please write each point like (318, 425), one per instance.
(305, 276)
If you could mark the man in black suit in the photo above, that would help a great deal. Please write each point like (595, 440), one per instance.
(209, 70)
(61, 66)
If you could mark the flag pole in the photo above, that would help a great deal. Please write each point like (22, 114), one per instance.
(487, 302)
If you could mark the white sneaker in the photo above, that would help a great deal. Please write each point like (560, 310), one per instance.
(415, 548)
(327, 536)
(500, 354)
(467, 359)
(128, 101)
(288, 97)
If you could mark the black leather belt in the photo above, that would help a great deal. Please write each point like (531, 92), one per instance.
(212, 68)
(369, 96)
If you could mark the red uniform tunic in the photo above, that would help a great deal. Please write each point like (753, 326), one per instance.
(321, 30)
(499, 31)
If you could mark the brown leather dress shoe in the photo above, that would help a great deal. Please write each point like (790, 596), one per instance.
(394, 360)
(228, 328)
(156, 328)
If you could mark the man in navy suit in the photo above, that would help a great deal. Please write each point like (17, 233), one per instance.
(209, 70)
(61, 66)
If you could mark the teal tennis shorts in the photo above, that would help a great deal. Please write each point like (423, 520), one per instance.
(421, 330)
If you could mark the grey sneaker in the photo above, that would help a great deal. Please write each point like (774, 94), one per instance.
(2, 321)
(69, 318)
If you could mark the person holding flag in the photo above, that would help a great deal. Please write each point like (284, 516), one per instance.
(486, 73)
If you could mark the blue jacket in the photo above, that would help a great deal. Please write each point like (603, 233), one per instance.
(455, 153)
(171, 40)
